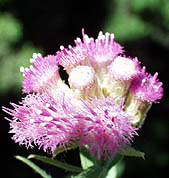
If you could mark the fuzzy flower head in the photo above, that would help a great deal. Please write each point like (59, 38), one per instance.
(107, 128)
(147, 87)
(40, 120)
(107, 96)
(50, 124)
(42, 74)
(99, 53)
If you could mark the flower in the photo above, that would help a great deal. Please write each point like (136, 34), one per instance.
(43, 121)
(145, 89)
(108, 96)
(42, 74)
(52, 123)
(106, 127)
(98, 53)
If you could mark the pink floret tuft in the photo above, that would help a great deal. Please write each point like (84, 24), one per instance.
(48, 123)
(44, 122)
(43, 72)
(106, 129)
(147, 87)
(91, 52)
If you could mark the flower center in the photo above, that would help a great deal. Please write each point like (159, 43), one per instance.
(82, 77)
(123, 68)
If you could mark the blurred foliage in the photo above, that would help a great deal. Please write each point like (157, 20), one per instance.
(11, 58)
(136, 19)
(142, 26)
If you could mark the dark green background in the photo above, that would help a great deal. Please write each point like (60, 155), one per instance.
(142, 26)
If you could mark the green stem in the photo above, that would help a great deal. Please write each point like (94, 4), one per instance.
(99, 169)
(57, 163)
(107, 165)
(36, 168)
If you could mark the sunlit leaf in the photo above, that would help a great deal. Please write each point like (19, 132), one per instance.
(56, 163)
(33, 166)
(129, 151)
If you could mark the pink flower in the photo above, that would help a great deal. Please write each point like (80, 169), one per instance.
(52, 123)
(147, 87)
(106, 127)
(42, 74)
(108, 95)
(42, 121)
(99, 53)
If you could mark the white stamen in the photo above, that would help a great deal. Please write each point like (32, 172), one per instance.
(112, 36)
(31, 66)
(87, 39)
(48, 118)
(47, 105)
(26, 69)
(144, 80)
(100, 33)
(22, 69)
(101, 36)
(43, 124)
(31, 121)
(61, 47)
(35, 55)
(39, 55)
(78, 40)
(39, 111)
(107, 34)
(32, 60)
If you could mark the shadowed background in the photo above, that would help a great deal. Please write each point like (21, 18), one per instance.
(142, 26)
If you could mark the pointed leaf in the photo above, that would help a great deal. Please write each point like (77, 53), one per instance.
(100, 169)
(129, 151)
(85, 158)
(36, 168)
(116, 171)
(91, 172)
(56, 163)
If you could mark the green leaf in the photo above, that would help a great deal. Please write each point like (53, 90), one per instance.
(85, 158)
(33, 166)
(56, 163)
(113, 161)
(129, 151)
(104, 170)
(91, 172)
(116, 171)
(100, 169)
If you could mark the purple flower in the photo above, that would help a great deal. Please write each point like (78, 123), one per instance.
(99, 53)
(43, 121)
(147, 87)
(107, 97)
(42, 74)
(106, 127)
(52, 123)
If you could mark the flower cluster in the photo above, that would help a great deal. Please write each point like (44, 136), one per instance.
(108, 97)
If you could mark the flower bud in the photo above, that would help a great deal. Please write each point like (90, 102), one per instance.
(83, 80)
(144, 90)
(122, 70)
